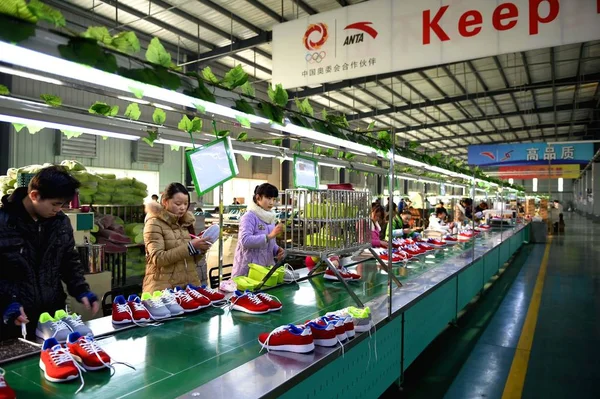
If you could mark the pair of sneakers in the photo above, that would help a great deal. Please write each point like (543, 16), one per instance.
(60, 326)
(169, 303)
(259, 303)
(346, 274)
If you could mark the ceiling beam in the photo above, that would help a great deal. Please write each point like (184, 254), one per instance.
(237, 46)
(553, 73)
(579, 135)
(266, 10)
(529, 81)
(342, 3)
(578, 73)
(571, 81)
(305, 7)
(227, 13)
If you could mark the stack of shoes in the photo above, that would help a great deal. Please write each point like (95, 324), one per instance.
(247, 302)
(129, 311)
(6, 392)
(484, 227)
(49, 327)
(345, 273)
(344, 322)
(324, 333)
(289, 338)
(425, 246)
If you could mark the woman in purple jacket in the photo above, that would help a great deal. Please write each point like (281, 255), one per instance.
(256, 237)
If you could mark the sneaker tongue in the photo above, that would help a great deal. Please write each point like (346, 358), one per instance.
(57, 348)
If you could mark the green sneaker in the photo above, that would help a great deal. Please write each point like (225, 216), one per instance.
(361, 318)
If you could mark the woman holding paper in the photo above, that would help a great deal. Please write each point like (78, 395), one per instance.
(171, 254)
(257, 232)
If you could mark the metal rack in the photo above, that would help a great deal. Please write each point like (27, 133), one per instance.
(327, 223)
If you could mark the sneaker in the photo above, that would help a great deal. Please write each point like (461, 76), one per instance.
(289, 274)
(330, 275)
(353, 276)
(288, 338)
(435, 242)
(48, 327)
(271, 300)
(323, 333)
(361, 318)
(212, 294)
(450, 239)
(184, 300)
(155, 306)
(228, 286)
(57, 363)
(6, 392)
(249, 303)
(338, 323)
(139, 312)
(74, 322)
(348, 321)
(86, 352)
(198, 297)
(168, 298)
(121, 313)
(396, 258)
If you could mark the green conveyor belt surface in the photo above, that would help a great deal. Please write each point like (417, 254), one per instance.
(181, 355)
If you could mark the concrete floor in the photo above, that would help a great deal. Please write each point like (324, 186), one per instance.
(474, 358)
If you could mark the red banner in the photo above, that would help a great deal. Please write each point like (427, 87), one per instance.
(538, 171)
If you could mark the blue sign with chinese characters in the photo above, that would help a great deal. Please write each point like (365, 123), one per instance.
(530, 154)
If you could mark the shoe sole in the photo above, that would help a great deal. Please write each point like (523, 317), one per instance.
(128, 321)
(41, 336)
(275, 309)
(334, 278)
(362, 329)
(242, 309)
(342, 337)
(160, 317)
(52, 379)
(328, 342)
(290, 348)
(85, 366)
(350, 333)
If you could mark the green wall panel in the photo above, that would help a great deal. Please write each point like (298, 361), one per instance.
(425, 320)
(469, 284)
(357, 374)
(490, 265)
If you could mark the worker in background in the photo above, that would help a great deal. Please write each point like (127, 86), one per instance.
(37, 253)
(154, 198)
(437, 222)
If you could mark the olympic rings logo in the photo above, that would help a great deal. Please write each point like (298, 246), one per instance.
(315, 36)
(317, 57)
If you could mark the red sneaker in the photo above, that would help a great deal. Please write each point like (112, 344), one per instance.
(348, 321)
(323, 333)
(424, 246)
(186, 301)
(138, 310)
(435, 242)
(57, 363)
(450, 239)
(340, 328)
(271, 300)
(121, 314)
(330, 275)
(202, 300)
(353, 276)
(87, 352)
(396, 258)
(214, 295)
(6, 392)
(288, 338)
(247, 302)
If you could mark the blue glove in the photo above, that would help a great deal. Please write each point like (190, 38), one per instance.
(89, 295)
(12, 312)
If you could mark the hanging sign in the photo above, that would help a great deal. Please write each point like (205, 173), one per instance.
(539, 172)
(381, 36)
(530, 154)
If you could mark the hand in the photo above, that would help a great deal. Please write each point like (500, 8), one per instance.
(16, 314)
(22, 319)
(280, 254)
(278, 229)
(201, 244)
(94, 307)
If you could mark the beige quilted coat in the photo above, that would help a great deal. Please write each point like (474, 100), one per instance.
(168, 260)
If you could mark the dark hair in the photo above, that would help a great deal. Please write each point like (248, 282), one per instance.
(154, 196)
(265, 190)
(440, 211)
(468, 201)
(54, 182)
(378, 210)
(174, 189)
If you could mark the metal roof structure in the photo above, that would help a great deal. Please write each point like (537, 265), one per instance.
(550, 94)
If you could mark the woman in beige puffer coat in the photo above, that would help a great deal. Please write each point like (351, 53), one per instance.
(171, 254)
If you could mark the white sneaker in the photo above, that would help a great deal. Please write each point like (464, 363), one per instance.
(290, 274)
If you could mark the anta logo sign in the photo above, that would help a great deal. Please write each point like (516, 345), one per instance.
(504, 17)
(359, 37)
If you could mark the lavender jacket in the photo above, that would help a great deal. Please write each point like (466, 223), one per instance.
(252, 246)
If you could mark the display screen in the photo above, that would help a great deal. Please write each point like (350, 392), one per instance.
(212, 165)
(306, 173)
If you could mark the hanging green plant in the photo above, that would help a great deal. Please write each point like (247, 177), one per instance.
(190, 126)
(236, 77)
(243, 121)
(126, 42)
(151, 138)
(138, 93)
(223, 133)
(244, 106)
(51, 100)
(159, 116)
(30, 128)
(248, 89)
(133, 112)
(101, 108)
(209, 76)
(174, 147)
(277, 142)
(88, 52)
(13, 29)
(278, 95)
(299, 120)
(4, 91)
(271, 112)
(157, 55)
(69, 134)
(18, 127)
(243, 136)
(305, 108)
(17, 9)
(200, 108)
(201, 92)
(45, 13)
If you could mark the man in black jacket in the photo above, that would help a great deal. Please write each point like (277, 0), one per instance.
(37, 252)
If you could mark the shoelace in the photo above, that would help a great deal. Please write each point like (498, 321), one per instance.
(210, 290)
(2, 381)
(184, 296)
(90, 345)
(138, 306)
(59, 325)
(276, 331)
(267, 297)
(170, 298)
(291, 271)
(61, 356)
(76, 321)
(156, 302)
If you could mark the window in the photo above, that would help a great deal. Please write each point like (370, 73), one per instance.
(535, 184)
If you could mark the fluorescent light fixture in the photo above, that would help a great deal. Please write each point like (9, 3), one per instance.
(59, 126)
(331, 165)
(23, 74)
(276, 134)
(324, 138)
(258, 154)
(133, 100)
(174, 142)
(165, 107)
(561, 183)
